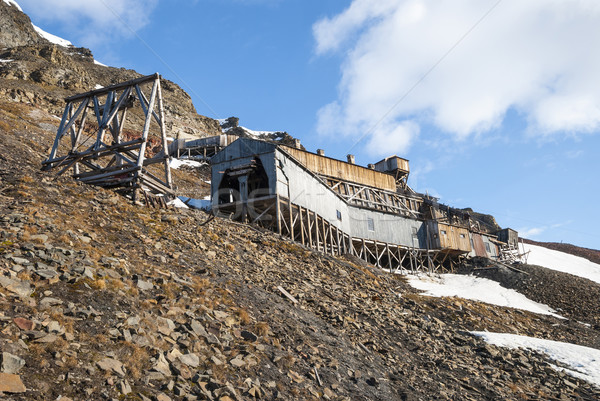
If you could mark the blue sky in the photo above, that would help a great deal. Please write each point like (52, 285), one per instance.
(495, 103)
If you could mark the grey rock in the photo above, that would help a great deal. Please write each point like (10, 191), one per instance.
(125, 387)
(11, 363)
(198, 329)
(46, 273)
(21, 288)
(48, 301)
(162, 366)
(144, 285)
(111, 365)
(190, 360)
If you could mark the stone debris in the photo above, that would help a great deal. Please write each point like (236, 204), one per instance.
(103, 299)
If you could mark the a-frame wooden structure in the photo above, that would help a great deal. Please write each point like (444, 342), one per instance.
(92, 139)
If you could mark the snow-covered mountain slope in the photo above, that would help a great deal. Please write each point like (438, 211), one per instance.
(477, 289)
(582, 362)
(52, 38)
(562, 262)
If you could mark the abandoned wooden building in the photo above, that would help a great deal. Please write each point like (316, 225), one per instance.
(339, 207)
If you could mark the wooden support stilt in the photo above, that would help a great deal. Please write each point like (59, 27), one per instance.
(310, 226)
(317, 231)
(278, 214)
(301, 224)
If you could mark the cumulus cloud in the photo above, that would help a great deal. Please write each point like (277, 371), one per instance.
(409, 62)
(93, 22)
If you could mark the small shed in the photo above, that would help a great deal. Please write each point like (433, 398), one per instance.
(509, 236)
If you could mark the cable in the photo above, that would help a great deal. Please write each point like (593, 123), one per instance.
(160, 58)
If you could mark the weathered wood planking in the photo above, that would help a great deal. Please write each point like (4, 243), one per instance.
(327, 166)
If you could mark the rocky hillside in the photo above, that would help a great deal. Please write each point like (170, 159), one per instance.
(100, 299)
(104, 300)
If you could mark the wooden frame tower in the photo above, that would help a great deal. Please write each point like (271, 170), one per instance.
(93, 140)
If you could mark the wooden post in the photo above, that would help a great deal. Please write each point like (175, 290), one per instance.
(301, 224)
(163, 131)
(317, 231)
(278, 214)
(310, 226)
(146, 130)
(291, 218)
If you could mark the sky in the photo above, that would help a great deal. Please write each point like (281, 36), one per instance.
(496, 103)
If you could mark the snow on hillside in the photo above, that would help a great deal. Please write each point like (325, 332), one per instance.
(477, 289)
(258, 134)
(177, 163)
(583, 362)
(13, 3)
(562, 262)
(51, 38)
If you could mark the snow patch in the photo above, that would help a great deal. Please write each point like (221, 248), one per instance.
(177, 203)
(5, 60)
(177, 163)
(477, 289)
(98, 86)
(13, 3)
(52, 38)
(562, 262)
(99, 63)
(583, 362)
(257, 134)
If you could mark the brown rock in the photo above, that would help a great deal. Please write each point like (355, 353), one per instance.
(24, 324)
(10, 383)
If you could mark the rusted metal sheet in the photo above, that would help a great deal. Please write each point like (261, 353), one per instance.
(327, 166)
(478, 246)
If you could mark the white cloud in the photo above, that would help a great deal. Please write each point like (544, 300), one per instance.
(531, 232)
(93, 22)
(533, 57)
(535, 232)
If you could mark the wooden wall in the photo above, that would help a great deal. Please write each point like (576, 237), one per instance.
(446, 236)
(336, 168)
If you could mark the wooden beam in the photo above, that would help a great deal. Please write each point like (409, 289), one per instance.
(118, 86)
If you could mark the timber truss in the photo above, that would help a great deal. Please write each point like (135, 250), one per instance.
(310, 229)
(375, 198)
(92, 139)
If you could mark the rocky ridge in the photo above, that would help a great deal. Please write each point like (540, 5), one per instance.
(38, 72)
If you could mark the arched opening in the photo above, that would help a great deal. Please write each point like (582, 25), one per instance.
(229, 189)
(258, 180)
